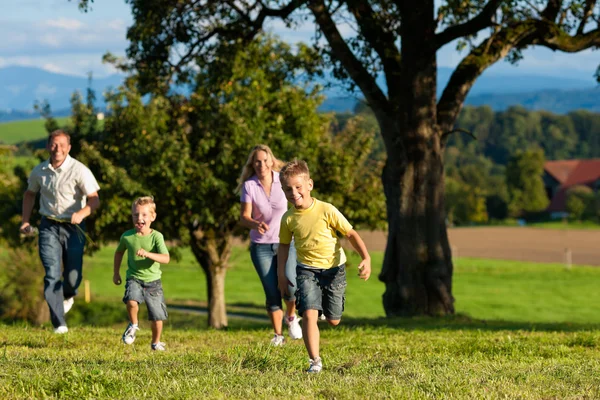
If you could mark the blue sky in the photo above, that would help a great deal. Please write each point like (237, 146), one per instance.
(54, 35)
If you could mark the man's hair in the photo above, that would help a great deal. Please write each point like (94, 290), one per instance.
(145, 201)
(295, 168)
(59, 132)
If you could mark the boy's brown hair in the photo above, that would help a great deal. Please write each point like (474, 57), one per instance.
(295, 168)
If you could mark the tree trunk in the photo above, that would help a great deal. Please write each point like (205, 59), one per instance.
(417, 267)
(212, 251)
(217, 311)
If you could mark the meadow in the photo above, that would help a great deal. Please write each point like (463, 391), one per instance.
(14, 132)
(522, 330)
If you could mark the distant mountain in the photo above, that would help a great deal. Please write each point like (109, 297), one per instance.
(20, 87)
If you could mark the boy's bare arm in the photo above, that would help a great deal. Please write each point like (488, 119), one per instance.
(364, 268)
(282, 257)
(156, 257)
(117, 266)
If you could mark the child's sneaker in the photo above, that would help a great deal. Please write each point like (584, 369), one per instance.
(294, 329)
(129, 334)
(67, 304)
(278, 340)
(160, 346)
(315, 365)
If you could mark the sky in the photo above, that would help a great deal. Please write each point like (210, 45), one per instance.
(56, 36)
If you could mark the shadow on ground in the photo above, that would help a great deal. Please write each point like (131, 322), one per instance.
(251, 317)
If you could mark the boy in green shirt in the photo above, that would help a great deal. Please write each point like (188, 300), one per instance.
(321, 269)
(146, 251)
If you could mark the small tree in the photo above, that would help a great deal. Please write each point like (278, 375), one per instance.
(580, 203)
(524, 181)
(189, 151)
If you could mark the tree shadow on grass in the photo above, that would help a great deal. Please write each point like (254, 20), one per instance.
(246, 316)
(464, 322)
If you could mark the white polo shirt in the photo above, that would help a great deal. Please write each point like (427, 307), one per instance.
(62, 190)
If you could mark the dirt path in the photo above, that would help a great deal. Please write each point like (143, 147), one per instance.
(515, 243)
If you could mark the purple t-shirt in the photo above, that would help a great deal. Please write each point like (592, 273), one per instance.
(265, 208)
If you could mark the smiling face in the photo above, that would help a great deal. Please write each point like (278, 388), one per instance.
(59, 148)
(297, 190)
(263, 164)
(142, 216)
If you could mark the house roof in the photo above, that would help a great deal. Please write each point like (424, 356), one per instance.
(560, 169)
(570, 173)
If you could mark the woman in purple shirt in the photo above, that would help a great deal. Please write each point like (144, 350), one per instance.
(263, 204)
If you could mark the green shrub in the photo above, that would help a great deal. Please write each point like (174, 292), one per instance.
(21, 281)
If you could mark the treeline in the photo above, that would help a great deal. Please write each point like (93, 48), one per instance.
(494, 161)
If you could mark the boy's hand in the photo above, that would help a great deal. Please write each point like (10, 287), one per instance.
(117, 279)
(142, 253)
(364, 269)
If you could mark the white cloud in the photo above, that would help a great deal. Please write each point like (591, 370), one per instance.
(76, 64)
(64, 23)
(54, 36)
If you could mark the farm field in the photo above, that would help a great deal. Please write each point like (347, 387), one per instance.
(24, 131)
(536, 244)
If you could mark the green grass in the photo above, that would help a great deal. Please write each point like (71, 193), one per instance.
(566, 225)
(394, 359)
(522, 330)
(24, 131)
(484, 289)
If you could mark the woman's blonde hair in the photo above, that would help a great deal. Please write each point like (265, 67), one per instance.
(248, 169)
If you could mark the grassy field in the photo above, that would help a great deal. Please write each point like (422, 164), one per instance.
(484, 289)
(24, 131)
(523, 330)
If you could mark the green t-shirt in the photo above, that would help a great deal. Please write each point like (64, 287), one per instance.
(141, 268)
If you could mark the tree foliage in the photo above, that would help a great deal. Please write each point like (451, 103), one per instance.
(188, 152)
(524, 179)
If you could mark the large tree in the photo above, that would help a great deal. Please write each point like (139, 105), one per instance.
(399, 40)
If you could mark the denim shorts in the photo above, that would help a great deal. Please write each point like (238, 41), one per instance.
(321, 289)
(150, 293)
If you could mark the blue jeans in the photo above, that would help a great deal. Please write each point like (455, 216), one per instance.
(264, 258)
(60, 243)
(323, 290)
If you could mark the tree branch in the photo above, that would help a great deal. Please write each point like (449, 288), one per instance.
(353, 66)
(383, 41)
(587, 13)
(484, 19)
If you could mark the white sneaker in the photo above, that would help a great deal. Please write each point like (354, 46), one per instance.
(294, 329)
(160, 346)
(61, 329)
(278, 340)
(67, 304)
(129, 334)
(315, 365)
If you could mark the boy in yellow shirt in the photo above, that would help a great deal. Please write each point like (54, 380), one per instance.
(321, 272)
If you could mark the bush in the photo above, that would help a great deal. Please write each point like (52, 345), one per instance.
(22, 289)
(581, 203)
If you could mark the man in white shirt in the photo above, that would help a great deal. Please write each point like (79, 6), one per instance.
(68, 194)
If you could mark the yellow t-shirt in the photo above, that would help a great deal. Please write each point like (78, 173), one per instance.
(314, 232)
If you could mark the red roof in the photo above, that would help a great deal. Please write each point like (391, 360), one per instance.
(570, 173)
(560, 169)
